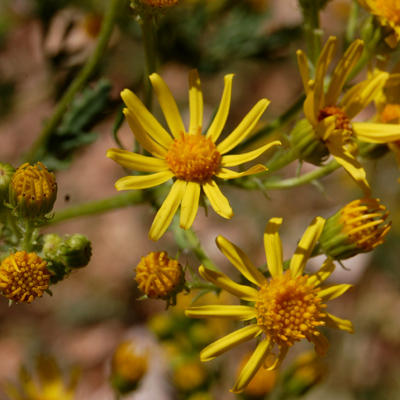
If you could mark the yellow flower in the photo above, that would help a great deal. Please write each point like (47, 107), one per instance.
(49, 386)
(189, 157)
(23, 276)
(388, 14)
(331, 116)
(286, 308)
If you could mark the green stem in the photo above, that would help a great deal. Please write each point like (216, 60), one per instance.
(281, 160)
(203, 285)
(99, 206)
(147, 24)
(312, 29)
(29, 235)
(275, 125)
(352, 24)
(85, 74)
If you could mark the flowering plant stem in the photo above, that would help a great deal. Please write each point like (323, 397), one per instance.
(312, 29)
(85, 74)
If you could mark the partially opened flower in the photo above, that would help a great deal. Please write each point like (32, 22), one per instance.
(188, 156)
(388, 14)
(285, 309)
(330, 116)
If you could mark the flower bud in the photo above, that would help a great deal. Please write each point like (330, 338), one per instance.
(76, 251)
(51, 245)
(307, 145)
(33, 191)
(23, 276)
(356, 228)
(159, 276)
(307, 371)
(6, 172)
(189, 375)
(128, 366)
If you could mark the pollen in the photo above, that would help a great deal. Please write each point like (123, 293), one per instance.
(389, 9)
(158, 275)
(363, 221)
(342, 121)
(391, 114)
(23, 277)
(288, 309)
(193, 158)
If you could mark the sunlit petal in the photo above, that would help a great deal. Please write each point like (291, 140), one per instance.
(273, 247)
(240, 260)
(219, 121)
(337, 323)
(224, 173)
(322, 274)
(168, 105)
(376, 133)
(137, 162)
(217, 278)
(330, 292)
(143, 181)
(195, 102)
(310, 107)
(217, 200)
(190, 205)
(168, 209)
(326, 127)
(306, 246)
(304, 70)
(283, 350)
(234, 313)
(244, 128)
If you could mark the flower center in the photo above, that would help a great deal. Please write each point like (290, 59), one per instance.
(288, 309)
(391, 114)
(390, 9)
(157, 274)
(363, 223)
(23, 276)
(193, 157)
(342, 121)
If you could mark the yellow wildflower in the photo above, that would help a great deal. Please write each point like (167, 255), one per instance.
(287, 308)
(190, 157)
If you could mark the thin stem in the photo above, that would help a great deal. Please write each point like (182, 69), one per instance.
(351, 24)
(281, 160)
(147, 24)
(85, 74)
(29, 235)
(99, 206)
(312, 29)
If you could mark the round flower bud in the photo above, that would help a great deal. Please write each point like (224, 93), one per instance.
(307, 145)
(76, 251)
(189, 375)
(33, 191)
(23, 276)
(159, 276)
(6, 172)
(356, 228)
(128, 366)
(51, 245)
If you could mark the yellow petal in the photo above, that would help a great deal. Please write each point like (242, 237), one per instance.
(217, 200)
(324, 60)
(168, 209)
(219, 121)
(146, 119)
(330, 292)
(137, 162)
(342, 70)
(376, 133)
(351, 165)
(304, 71)
(310, 107)
(260, 354)
(337, 323)
(190, 205)
(273, 247)
(283, 350)
(142, 137)
(238, 159)
(240, 260)
(229, 341)
(195, 102)
(322, 274)
(217, 278)
(306, 246)
(234, 313)
(326, 127)
(224, 173)
(168, 105)
(143, 181)
(244, 128)
(321, 344)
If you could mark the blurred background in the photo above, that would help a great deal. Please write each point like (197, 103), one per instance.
(43, 45)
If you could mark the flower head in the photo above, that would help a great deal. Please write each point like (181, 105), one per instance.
(23, 276)
(330, 115)
(159, 276)
(285, 309)
(33, 191)
(388, 14)
(358, 227)
(189, 157)
(128, 366)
